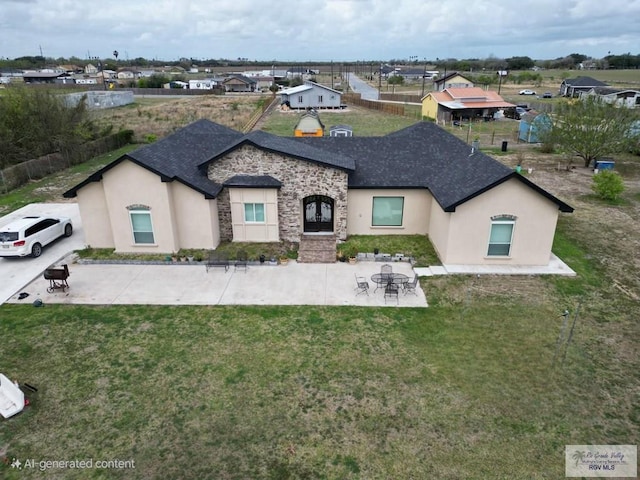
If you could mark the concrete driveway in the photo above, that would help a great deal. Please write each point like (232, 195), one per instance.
(184, 284)
(17, 272)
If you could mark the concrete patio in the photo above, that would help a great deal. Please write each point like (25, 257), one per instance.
(184, 284)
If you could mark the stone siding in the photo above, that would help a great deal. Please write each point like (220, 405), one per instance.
(299, 178)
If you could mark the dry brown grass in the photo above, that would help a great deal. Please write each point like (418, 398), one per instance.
(161, 116)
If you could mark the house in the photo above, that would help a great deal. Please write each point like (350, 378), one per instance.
(42, 77)
(310, 95)
(309, 125)
(452, 80)
(458, 103)
(571, 87)
(90, 69)
(202, 84)
(621, 97)
(127, 74)
(207, 183)
(532, 126)
(239, 83)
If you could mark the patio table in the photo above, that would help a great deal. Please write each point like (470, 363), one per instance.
(383, 279)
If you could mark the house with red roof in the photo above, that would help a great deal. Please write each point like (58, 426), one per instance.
(462, 103)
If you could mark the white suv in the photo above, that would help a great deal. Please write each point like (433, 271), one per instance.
(28, 235)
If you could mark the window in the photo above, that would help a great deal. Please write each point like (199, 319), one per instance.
(300, 99)
(319, 98)
(387, 211)
(141, 226)
(500, 238)
(254, 212)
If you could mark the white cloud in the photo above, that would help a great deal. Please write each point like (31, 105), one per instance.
(320, 29)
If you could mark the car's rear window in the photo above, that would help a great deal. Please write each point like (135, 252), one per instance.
(8, 236)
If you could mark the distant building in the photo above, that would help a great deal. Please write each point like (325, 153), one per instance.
(310, 95)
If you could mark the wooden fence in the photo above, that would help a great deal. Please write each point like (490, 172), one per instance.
(392, 108)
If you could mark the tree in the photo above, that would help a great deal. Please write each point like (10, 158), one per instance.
(34, 122)
(608, 185)
(591, 128)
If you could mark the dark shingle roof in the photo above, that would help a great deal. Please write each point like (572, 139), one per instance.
(584, 82)
(253, 181)
(423, 156)
(177, 156)
(286, 146)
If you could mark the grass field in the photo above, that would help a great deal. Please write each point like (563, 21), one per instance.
(465, 389)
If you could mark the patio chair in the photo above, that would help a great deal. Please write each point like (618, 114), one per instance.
(241, 260)
(386, 269)
(362, 285)
(391, 290)
(411, 286)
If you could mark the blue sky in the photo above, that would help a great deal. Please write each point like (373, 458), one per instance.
(321, 30)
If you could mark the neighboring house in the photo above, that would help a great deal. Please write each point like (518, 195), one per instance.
(263, 83)
(618, 96)
(202, 84)
(411, 74)
(571, 87)
(126, 74)
(239, 83)
(532, 126)
(90, 68)
(452, 80)
(86, 80)
(458, 103)
(207, 183)
(309, 125)
(310, 95)
(303, 72)
(42, 77)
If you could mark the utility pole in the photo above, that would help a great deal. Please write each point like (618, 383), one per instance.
(424, 77)
(379, 81)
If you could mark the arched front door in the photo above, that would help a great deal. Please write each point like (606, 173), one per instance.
(318, 214)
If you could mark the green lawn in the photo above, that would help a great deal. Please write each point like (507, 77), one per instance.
(463, 389)
(365, 123)
(287, 392)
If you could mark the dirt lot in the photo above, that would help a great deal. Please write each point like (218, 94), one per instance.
(160, 116)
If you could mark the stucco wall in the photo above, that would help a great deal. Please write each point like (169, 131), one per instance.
(195, 218)
(299, 179)
(415, 218)
(128, 184)
(470, 225)
(439, 227)
(94, 213)
(181, 217)
(254, 232)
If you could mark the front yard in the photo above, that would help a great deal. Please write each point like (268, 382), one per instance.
(466, 388)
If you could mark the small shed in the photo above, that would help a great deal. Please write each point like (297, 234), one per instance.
(532, 126)
(341, 131)
(309, 125)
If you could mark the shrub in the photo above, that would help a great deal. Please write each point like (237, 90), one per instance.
(608, 185)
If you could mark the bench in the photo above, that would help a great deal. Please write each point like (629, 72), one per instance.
(217, 260)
